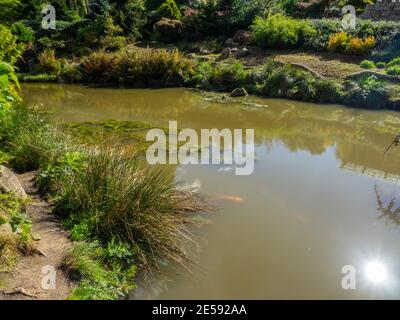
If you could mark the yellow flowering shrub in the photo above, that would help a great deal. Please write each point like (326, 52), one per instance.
(346, 43)
(338, 41)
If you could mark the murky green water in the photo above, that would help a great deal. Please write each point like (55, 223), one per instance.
(309, 208)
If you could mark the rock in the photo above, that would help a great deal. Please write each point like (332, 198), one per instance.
(229, 42)
(242, 53)
(10, 183)
(75, 275)
(239, 92)
(204, 58)
(225, 54)
(204, 51)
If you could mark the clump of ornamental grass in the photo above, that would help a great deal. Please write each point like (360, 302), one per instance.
(48, 62)
(114, 196)
(146, 66)
(31, 142)
(98, 67)
(137, 67)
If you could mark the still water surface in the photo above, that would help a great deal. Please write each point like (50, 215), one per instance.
(310, 207)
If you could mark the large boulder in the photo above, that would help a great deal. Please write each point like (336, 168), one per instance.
(9, 183)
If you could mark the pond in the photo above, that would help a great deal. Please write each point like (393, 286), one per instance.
(319, 198)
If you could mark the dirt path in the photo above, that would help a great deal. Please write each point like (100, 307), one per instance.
(25, 282)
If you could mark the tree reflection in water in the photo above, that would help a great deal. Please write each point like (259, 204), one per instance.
(390, 213)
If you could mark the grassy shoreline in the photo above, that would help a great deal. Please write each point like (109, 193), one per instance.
(123, 217)
(158, 68)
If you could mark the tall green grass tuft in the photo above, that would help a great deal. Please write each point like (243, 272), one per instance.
(106, 195)
(116, 197)
(31, 142)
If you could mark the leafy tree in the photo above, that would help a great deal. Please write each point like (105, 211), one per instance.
(129, 15)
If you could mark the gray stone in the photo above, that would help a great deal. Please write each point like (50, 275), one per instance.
(204, 58)
(225, 54)
(242, 53)
(229, 42)
(239, 92)
(9, 183)
(204, 51)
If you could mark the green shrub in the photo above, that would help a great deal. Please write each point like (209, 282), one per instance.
(5, 157)
(227, 76)
(393, 70)
(288, 82)
(169, 10)
(393, 67)
(220, 76)
(201, 74)
(367, 64)
(324, 28)
(10, 50)
(394, 62)
(328, 91)
(12, 212)
(380, 65)
(368, 92)
(278, 31)
(19, 242)
(112, 39)
(8, 82)
(100, 279)
(52, 177)
(22, 32)
(285, 81)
